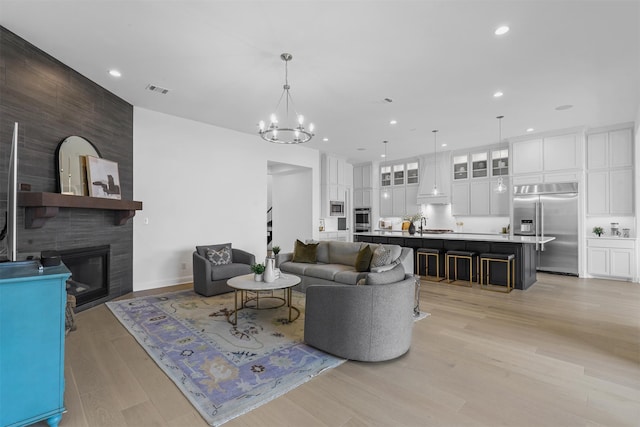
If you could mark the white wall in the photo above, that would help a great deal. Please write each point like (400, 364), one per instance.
(199, 185)
(291, 194)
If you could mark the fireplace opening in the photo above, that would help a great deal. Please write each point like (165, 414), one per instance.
(89, 268)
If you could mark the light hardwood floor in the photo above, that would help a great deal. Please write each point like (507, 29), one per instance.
(566, 352)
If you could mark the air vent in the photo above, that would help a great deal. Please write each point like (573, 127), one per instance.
(154, 88)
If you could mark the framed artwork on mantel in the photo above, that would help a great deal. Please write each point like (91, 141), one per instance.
(102, 178)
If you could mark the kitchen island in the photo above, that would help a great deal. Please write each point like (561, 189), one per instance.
(523, 247)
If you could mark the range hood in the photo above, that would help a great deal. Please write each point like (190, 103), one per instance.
(443, 175)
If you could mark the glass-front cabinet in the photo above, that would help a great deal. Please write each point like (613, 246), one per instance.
(385, 176)
(398, 174)
(461, 167)
(479, 165)
(412, 173)
(500, 162)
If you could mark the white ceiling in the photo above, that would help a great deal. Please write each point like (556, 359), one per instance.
(439, 61)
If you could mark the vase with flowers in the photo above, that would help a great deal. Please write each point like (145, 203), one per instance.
(412, 219)
(598, 231)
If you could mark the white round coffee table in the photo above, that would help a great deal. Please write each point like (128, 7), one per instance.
(247, 283)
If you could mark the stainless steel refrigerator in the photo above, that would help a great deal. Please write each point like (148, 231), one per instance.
(549, 210)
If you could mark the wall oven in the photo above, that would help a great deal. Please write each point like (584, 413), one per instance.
(336, 208)
(362, 220)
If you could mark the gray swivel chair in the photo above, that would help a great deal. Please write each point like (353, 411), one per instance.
(209, 279)
(369, 323)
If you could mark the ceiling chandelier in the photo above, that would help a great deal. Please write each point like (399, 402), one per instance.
(288, 132)
(501, 187)
(435, 165)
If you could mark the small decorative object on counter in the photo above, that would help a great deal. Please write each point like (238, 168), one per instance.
(321, 228)
(258, 270)
(275, 250)
(459, 225)
(412, 228)
(598, 231)
(626, 233)
(615, 229)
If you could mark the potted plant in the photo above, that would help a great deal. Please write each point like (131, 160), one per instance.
(257, 269)
(598, 231)
(275, 250)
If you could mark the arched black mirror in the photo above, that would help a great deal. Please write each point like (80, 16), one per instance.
(71, 164)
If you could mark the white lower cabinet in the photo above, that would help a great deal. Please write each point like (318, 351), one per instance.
(611, 257)
(610, 192)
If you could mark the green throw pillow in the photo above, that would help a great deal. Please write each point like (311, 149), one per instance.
(305, 252)
(364, 259)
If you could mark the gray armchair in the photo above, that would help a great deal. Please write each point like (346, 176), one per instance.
(209, 279)
(368, 323)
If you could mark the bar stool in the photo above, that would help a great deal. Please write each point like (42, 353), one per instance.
(426, 253)
(487, 259)
(455, 256)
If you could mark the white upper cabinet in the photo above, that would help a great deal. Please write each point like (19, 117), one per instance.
(479, 198)
(620, 148)
(598, 150)
(561, 152)
(460, 198)
(610, 172)
(500, 201)
(612, 149)
(621, 191)
(548, 154)
(527, 156)
(362, 176)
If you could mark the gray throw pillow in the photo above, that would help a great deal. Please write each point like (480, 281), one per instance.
(219, 257)
(396, 274)
(381, 256)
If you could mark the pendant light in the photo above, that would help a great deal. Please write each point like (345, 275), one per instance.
(501, 187)
(435, 164)
(385, 194)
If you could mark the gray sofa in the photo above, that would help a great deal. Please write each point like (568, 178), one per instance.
(336, 263)
(369, 323)
(211, 279)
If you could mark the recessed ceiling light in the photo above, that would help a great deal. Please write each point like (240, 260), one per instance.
(498, 94)
(444, 145)
(383, 155)
(501, 30)
(325, 139)
(393, 122)
(115, 73)
(564, 107)
(530, 129)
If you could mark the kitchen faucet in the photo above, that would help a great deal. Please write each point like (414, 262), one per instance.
(423, 221)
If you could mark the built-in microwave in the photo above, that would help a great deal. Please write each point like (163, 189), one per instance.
(336, 208)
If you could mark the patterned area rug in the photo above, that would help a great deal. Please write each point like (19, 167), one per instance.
(225, 371)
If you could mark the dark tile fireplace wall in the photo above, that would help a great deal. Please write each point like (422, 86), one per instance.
(50, 101)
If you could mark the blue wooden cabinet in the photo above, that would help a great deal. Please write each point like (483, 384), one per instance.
(32, 316)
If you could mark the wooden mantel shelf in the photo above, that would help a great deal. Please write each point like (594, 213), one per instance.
(39, 207)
